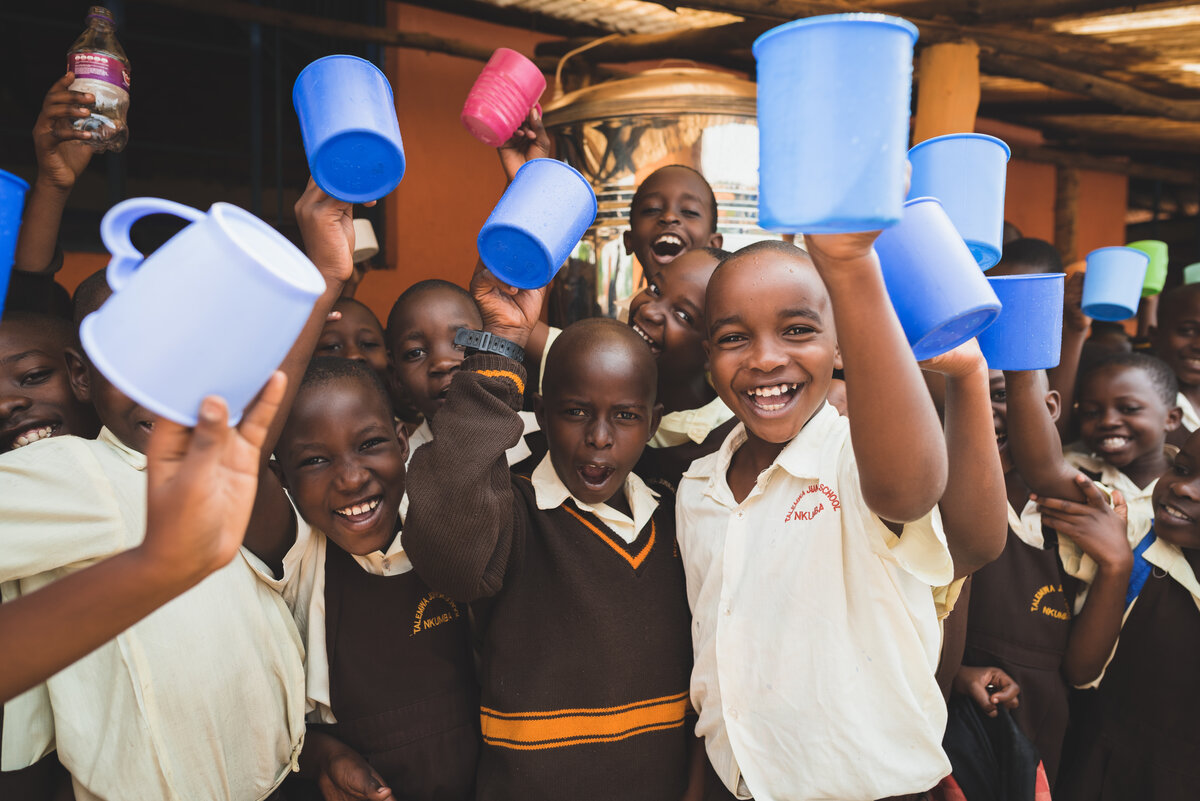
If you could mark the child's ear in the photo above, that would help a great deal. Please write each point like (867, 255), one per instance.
(716, 239)
(77, 373)
(1174, 418)
(539, 410)
(1054, 404)
(275, 467)
(655, 418)
(627, 239)
(837, 358)
(402, 436)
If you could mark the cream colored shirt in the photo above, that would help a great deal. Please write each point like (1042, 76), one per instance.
(815, 632)
(550, 493)
(303, 589)
(515, 454)
(203, 699)
(690, 425)
(1191, 420)
(1141, 507)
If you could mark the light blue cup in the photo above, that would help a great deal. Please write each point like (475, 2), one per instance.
(1028, 333)
(1112, 285)
(348, 122)
(12, 204)
(967, 172)
(1191, 273)
(833, 110)
(539, 220)
(211, 312)
(938, 291)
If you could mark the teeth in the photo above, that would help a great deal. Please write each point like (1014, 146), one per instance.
(669, 238)
(778, 389)
(31, 436)
(1192, 364)
(358, 508)
(644, 335)
(1113, 443)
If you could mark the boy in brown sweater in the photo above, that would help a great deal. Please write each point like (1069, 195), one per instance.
(572, 573)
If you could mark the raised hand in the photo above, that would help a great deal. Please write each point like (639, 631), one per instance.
(1073, 317)
(1097, 527)
(327, 227)
(989, 687)
(529, 142)
(960, 362)
(201, 484)
(507, 311)
(62, 152)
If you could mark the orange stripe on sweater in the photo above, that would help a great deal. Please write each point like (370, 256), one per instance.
(516, 379)
(559, 728)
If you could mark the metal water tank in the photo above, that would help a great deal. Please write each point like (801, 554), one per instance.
(618, 132)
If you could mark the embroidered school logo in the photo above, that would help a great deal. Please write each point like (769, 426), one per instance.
(1050, 601)
(443, 611)
(815, 499)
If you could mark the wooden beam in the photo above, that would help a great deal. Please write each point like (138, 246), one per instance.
(1066, 213)
(714, 44)
(1084, 161)
(948, 77)
(511, 16)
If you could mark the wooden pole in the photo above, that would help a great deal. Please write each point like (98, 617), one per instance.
(1066, 213)
(948, 90)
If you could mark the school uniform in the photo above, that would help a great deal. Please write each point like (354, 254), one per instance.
(815, 631)
(580, 610)
(1143, 741)
(1190, 420)
(515, 455)
(1019, 620)
(389, 666)
(202, 699)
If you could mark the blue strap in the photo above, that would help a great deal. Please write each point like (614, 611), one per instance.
(1141, 568)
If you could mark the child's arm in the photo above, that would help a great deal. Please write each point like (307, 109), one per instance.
(201, 484)
(974, 507)
(1076, 328)
(894, 428)
(1098, 529)
(1033, 439)
(974, 682)
(339, 770)
(62, 156)
(462, 514)
(327, 227)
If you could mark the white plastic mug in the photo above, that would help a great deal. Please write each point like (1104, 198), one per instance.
(211, 312)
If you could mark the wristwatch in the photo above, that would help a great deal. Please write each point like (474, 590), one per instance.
(484, 342)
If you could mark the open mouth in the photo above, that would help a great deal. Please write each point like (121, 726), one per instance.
(1174, 514)
(666, 247)
(360, 512)
(772, 398)
(34, 433)
(1191, 364)
(1113, 444)
(594, 475)
(655, 347)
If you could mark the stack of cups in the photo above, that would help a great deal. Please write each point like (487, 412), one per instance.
(833, 111)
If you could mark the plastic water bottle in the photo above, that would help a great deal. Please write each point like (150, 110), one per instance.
(102, 68)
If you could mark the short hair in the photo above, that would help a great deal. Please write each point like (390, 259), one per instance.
(712, 196)
(717, 253)
(343, 301)
(420, 288)
(325, 370)
(1173, 301)
(1037, 254)
(1161, 375)
(90, 295)
(774, 245)
(594, 331)
(44, 322)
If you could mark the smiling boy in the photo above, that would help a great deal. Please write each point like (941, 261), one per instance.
(574, 582)
(785, 545)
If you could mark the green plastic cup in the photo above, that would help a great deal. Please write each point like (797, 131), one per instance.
(1156, 273)
(1191, 273)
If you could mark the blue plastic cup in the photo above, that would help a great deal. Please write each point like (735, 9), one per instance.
(1112, 285)
(348, 122)
(1028, 333)
(1191, 273)
(967, 172)
(12, 204)
(539, 220)
(938, 291)
(833, 109)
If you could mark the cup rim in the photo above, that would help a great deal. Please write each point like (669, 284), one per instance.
(16, 179)
(888, 20)
(304, 280)
(1122, 248)
(965, 135)
(335, 57)
(1028, 277)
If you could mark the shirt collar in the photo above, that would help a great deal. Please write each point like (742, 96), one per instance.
(550, 493)
(1170, 558)
(1113, 477)
(1191, 420)
(135, 459)
(693, 424)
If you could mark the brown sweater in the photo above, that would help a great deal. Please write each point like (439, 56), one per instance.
(584, 641)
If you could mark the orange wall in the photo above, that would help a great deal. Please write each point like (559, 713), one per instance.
(451, 181)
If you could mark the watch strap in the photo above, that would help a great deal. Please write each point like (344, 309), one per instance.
(485, 342)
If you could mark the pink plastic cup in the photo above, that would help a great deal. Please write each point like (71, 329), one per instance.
(502, 96)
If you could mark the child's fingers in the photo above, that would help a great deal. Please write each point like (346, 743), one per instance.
(1095, 498)
(1062, 505)
(979, 694)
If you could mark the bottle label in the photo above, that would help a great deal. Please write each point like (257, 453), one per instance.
(98, 67)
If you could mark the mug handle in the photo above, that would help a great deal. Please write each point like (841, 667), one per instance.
(114, 231)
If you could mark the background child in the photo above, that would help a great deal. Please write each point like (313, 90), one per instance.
(352, 332)
(577, 702)
(841, 620)
(1176, 341)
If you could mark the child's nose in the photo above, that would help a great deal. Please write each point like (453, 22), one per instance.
(11, 404)
(767, 356)
(446, 360)
(599, 435)
(352, 475)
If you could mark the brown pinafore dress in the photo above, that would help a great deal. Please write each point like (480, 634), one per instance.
(402, 680)
(1019, 621)
(1146, 743)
